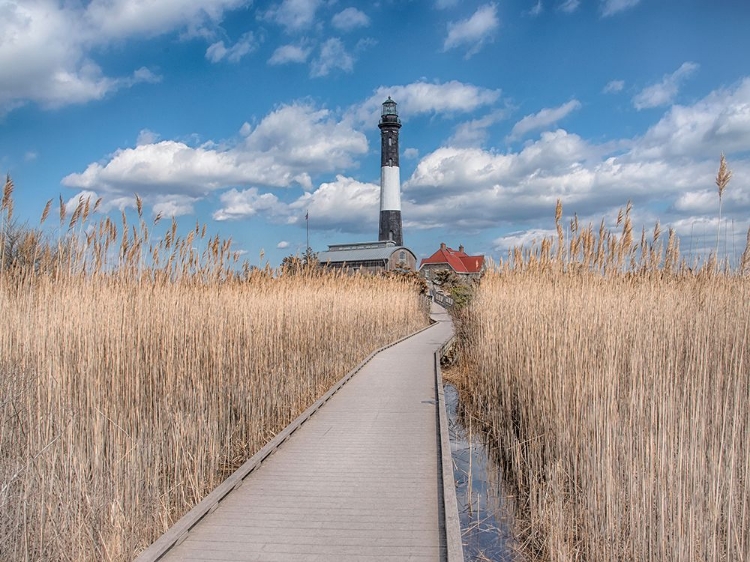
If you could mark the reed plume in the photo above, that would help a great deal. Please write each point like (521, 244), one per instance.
(7, 202)
(722, 180)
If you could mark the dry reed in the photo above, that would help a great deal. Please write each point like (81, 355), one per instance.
(136, 374)
(619, 396)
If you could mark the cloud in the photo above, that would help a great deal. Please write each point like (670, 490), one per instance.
(469, 189)
(720, 122)
(247, 203)
(736, 197)
(611, 7)
(569, 6)
(246, 44)
(349, 19)
(283, 245)
(68, 74)
(458, 185)
(287, 54)
(344, 204)
(333, 56)
(474, 132)
(119, 19)
(246, 129)
(420, 98)
(524, 238)
(411, 153)
(166, 166)
(82, 196)
(665, 91)
(173, 205)
(696, 201)
(287, 147)
(537, 9)
(294, 15)
(672, 167)
(473, 32)
(445, 4)
(544, 118)
(142, 74)
(146, 137)
(614, 86)
(451, 170)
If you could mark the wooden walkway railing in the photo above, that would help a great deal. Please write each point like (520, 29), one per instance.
(369, 476)
(446, 301)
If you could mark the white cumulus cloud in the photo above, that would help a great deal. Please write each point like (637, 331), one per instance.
(419, 98)
(524, 238)
(286, 148)
(672, 166)
(664, 92)
(569, 6)
(294, 15)
(611, 7)
(345, 204)
(146, 136)
(287, 54)
(720, 122)
(473, 32)
(247, 203)
(173, 205)
(30, 70)
(245, 45)
(475, 132)
(544, 118)
(614, 86)
(349, 19)
(332, 56)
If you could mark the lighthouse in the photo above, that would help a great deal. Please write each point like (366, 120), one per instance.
(390, 177)
(388, 253)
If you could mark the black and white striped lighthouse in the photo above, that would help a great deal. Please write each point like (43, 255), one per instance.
(390, 177)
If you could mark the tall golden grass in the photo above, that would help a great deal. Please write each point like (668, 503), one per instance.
(137, 373)
(615, 380)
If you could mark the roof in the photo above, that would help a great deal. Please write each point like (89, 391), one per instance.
(458, 260)
(361, 245)
(364, 251)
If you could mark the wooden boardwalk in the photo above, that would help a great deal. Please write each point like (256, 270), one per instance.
(361, 479)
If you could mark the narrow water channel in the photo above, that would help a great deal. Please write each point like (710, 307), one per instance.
(485, 511)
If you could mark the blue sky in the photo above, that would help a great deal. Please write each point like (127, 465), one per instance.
(246, 115)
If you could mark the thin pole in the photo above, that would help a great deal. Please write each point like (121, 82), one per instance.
(307, 224)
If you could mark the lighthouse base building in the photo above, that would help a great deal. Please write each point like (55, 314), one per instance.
(369, 257)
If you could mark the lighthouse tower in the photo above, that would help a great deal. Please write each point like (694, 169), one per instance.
(390, 178)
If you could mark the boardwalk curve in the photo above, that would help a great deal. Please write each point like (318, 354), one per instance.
(362, 479)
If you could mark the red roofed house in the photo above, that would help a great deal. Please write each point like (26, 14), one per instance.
(456, 260)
